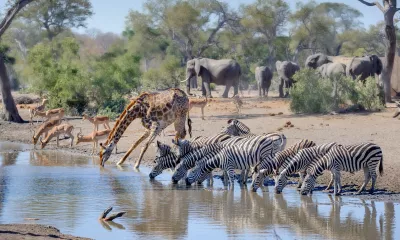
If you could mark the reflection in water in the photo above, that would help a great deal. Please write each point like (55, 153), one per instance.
(70, 192)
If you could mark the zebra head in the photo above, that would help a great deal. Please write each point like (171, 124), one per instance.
(236, 128)
(194, 175)
(162, 163)
(280, 182)
(162, 149)
(181, 147)
(258, 177)
(179, 173)
(308, 184)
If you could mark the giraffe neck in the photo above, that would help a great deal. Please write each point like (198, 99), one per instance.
(131, 113)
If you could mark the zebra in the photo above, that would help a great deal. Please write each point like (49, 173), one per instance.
(350, 158)
(300, 162)
(281, 160)
(166, 157)
(241, 155)
(191, 158)
(236, 128)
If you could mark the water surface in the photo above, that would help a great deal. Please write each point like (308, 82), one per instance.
(70, 192)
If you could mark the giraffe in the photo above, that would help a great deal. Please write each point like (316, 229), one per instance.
(157, 111)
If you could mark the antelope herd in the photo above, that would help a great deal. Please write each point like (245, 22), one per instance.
(52, 127)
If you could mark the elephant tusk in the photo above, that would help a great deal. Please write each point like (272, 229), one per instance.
(186, 79)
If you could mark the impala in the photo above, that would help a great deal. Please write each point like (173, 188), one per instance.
(39, 108)
(44, 129)
(97, 120)
(56, 131)
(94, 137)
(52, 113)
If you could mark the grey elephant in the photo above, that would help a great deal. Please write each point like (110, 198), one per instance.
(332, 69)
(263, 77)
(327, 65)
(286, 70)
(364, 67)
(221, 72)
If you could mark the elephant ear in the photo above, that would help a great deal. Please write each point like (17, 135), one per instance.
(197, 66)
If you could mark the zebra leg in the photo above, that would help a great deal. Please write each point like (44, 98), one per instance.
(329, 184)
(366, 180)
(231, 175)
(225, 176)
(336, 182)
(302, 176)
(372, 174)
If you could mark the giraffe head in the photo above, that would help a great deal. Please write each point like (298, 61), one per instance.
(105, 152)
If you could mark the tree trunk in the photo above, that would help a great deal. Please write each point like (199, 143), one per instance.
(10, 111)
(388, 66)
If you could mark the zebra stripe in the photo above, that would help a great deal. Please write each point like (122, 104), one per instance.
(241, 155)
(166, 157)
(350, 158)
(236, 128)
(281, 160)
(300, 162)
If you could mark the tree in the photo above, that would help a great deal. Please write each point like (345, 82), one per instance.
(55, 16)
(10, 111)
(388, 9)
(266, 18)
(322, 27)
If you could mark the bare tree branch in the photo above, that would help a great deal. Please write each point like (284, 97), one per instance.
(373, 4)
(11, 13)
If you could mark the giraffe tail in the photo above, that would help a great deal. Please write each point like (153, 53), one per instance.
(189, 123)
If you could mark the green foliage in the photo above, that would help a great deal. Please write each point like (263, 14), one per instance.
(57, 16)
(59, 73)
(310, 94)
(212, 86)
(168, 75)
(113, 107)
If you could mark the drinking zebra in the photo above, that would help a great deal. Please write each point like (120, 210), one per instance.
(166, 157)
(281, 160)
(300, 162)
(242, 155)
(350, 158)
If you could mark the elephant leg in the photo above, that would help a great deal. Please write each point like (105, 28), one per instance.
(226, 92)
(236, 88)
(188, 87)
(259, 89)
(288, 84)
(203, 90)
(281, 88)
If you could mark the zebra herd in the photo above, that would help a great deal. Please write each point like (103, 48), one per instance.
(235, 148)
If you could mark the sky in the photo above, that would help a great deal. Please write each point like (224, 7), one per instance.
(109, 15)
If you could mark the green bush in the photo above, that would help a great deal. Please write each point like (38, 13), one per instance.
(310, 94)
(313, 94)
(168, 75)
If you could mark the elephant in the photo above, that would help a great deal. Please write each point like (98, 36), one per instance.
(364, 67)
(286, 70)
(327, 65)
(331, 69)
(263, 77)
(221, 72)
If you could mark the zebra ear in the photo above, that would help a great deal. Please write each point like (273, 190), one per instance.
(176, 142)
(158, 144)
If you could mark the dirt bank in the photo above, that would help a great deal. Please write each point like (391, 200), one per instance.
(32, 231)
(261, 115)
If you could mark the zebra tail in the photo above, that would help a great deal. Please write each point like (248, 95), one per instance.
(381, 167)
(189, 123)
(396, 114)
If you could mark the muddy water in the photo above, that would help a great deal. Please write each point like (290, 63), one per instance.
(70, 192)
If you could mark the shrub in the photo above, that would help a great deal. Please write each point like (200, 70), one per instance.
(313, 94)
(310, 94)
(369, 95)
(212, 86)
(168, 75)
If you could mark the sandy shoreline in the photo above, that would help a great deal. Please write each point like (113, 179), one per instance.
(33, 231)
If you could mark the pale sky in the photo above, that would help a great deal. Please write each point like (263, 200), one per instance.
(109, 15)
